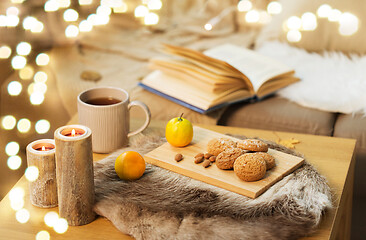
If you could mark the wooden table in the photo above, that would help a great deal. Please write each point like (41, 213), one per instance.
(333, 157)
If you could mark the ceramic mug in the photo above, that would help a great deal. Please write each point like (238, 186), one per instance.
(106, 111)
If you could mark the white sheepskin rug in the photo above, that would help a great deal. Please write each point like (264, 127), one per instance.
(330, 81)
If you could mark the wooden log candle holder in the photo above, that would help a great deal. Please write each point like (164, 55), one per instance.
(75, 175)
(43, 191)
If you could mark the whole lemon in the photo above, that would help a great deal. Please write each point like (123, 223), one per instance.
(130, 165)
(179, 132)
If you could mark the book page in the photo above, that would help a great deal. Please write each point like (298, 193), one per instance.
(256, 67)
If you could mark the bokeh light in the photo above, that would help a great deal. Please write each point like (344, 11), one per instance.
(8, 122)
(71, 31)
(42, 59)
(244, 5)
(40, 77)
(14, 88)
(121, 9)
(31, 173)
(14, 162)
(18, 62)
(208, 26)
(141, 11)
(51, 218)
(274, 8)
(85, 2)
(12, 11)
(294, 36)
(37, 27)
(43, 235)
(12, 20)
(324, 10)
(17, 204)
(64, 3)
(70, 15)
(348, 24)
(61, 226)
(51, 6)
(154, 4)
(26, 73)
(42, 126)
(85, 26)
(103, 10)
(22, 215)
(252, 16)
(23, 48)
(40, 87)
(12, 148)
(294, 23)
(17, 1)
(151, 19)
(334, 15)
(24, 125)
(308, 22)
(29, 23)
(36, 98)
(5, 52)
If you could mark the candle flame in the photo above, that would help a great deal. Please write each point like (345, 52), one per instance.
(43, 148)
(73, 133)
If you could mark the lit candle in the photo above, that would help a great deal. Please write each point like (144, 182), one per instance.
(43, 190)
(75, 175)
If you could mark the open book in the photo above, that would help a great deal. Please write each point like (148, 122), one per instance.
(215, 78)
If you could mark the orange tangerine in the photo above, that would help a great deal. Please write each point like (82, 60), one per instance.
(130, 165)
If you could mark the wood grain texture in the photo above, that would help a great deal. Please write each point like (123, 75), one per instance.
(75, 177)
(164, 157)
(43, 191)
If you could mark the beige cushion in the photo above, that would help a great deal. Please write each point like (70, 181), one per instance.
(326, 35)
(281, 115)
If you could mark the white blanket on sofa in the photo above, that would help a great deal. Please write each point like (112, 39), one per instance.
(330, 81)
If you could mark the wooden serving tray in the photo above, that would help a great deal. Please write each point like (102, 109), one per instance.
(163, 156)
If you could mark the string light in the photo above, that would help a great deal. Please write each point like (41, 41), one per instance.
(85, 2)
(18, 62)
(51, 218)
(23, 48)
(37, 27)
(294, 36)
(151, 19)
(40, 77)
(5, 52)
(348, 24)
(61, 226)
(121, 9)
(42, 59)
(12, 20)
(42, 126)
(22, 215)
(274, 8)
(8, 122)
(12, 11)
(64, 3)
(14, 163)
(154, 4)
(85, 26)
(51, 6)
(71, 31)
(14, 88)
(252, 16)
(12, 148)
(244, 6)
(31, 173)
(24, 125)
(141, 11)
(308, 22)
(26, 73)
(334, 15)
(324, 11)
(294, 23)
(36, 98)
(70, 15)
(43, 235)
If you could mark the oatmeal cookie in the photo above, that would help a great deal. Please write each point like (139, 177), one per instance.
(270, 160)
(217, 145)
(226, 159)
(250, 167)
(254, 145)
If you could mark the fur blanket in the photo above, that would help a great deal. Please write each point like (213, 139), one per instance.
(166, 205)
(330, 82)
